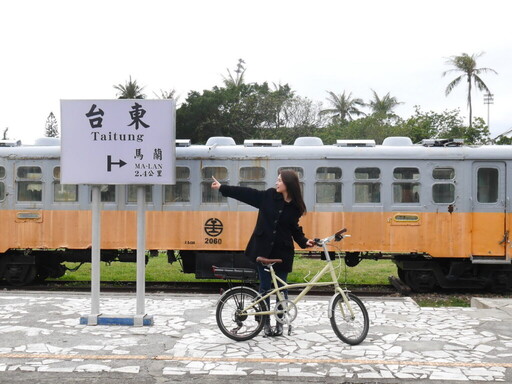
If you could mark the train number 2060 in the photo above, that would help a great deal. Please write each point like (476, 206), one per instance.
(211, 240)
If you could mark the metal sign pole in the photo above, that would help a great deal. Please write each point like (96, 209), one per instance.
(95, 256)
(141, 255)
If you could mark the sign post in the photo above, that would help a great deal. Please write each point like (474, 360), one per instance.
(107, 142)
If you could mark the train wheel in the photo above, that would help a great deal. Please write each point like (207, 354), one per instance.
(401, 274)
(420, 281)
(20, 274)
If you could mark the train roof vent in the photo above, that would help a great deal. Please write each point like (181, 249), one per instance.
(47, 142)
(397, 141)
(183, 142)
(263, 143)
(355, 143)
(308, 141)
(220, 141)
(10, 143)
(442, 142)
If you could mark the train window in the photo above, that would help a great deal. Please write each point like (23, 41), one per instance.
(406, 174)
(406, 192)
(367, 173)
(328, 173)
(329, 190)
(487, 185)
(443, 193)
(31, 173)
(443, 173)
(2, 191)
(367, 192)
(179, 193)
(252, 173)
(328, 193)
(252, 177)
(220, 173)
(108, 193)
(131, 193)
(2, 172)
(63, 193)
(209, 195)
(299, 170)
(29, 188)
(182, 173)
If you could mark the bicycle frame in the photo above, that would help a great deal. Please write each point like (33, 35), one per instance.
(314, 282)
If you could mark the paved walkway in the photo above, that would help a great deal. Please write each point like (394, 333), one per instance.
(40, 333)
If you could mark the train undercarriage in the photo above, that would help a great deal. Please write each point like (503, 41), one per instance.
(421, 273)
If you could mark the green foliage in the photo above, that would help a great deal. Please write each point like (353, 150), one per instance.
(130, 90)
(466, 66)
(383, 107)
(241, 111)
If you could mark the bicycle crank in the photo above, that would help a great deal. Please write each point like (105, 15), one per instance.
(285, 311)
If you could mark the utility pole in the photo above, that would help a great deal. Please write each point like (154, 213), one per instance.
(488, 99)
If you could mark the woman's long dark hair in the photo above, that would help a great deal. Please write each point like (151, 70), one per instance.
(291, 180)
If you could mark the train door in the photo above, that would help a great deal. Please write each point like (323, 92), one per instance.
(489, 234)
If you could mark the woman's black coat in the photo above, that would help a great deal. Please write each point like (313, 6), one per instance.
(277, 224)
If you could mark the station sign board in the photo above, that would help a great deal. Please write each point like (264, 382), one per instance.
(118, 141)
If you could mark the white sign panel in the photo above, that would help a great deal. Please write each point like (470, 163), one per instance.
(118, 141)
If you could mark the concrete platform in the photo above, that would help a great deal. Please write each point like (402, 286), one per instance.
(41, 339)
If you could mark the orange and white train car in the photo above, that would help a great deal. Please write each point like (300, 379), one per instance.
(440, 210)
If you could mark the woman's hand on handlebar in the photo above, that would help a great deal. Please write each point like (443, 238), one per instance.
(215, 184)
(310, 243)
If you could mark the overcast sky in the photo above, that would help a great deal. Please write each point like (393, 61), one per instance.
(52, 50)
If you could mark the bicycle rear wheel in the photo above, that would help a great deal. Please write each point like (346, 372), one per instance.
(350, 327)
(233, 320)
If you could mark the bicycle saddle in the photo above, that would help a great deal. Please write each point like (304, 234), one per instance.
(264, 260)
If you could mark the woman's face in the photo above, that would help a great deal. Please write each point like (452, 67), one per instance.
(280, 186)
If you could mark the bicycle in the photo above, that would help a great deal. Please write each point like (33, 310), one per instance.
(240, 310)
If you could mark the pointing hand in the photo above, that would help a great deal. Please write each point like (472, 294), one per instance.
(215, 184)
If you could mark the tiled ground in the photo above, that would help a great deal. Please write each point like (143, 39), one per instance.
(41, 332)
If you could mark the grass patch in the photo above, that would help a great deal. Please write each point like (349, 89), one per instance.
(433, 300)
(158, 269)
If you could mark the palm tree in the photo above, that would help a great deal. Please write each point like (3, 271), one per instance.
(467, 65)
(130, 90)
(383, 106)
(235, 81)
(344, 107)
(164, 94)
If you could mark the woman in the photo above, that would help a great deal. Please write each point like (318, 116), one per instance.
(277, 226)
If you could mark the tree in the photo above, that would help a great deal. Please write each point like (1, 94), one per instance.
(344, 107)
(130, 90)
(171, 94)
(467, 65)
(5, 133)
(383, 106)
(51, 127)
(238, 79)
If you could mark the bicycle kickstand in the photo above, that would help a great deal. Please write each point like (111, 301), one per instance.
(290, 329)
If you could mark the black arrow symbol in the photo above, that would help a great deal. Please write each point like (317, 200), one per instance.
(110, 163)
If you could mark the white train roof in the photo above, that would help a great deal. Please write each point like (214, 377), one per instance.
(290, 152)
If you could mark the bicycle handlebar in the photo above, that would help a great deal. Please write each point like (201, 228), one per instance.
(337, 237)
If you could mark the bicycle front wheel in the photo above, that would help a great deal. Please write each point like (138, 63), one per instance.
(350, 324)
(234, 319)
